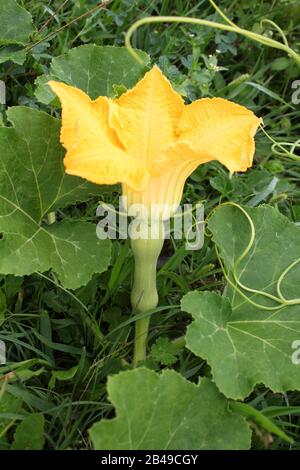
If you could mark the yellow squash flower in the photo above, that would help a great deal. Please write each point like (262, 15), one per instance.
(150, 141)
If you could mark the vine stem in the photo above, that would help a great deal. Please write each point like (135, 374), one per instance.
(140, 340)
(146, 242)
(212, 24)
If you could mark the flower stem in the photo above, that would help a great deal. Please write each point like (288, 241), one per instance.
(140, 342)
(146, 243)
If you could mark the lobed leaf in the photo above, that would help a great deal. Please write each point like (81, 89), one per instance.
(16, 23)
(164, 412)
(247, 337)
(29, 434)
(33, 183)
(94, 69)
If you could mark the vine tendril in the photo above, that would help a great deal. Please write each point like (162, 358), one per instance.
(283, 152)
(238, 285)
(265, 20)
(231, 27)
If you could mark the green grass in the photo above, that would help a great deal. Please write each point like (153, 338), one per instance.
(51, 325)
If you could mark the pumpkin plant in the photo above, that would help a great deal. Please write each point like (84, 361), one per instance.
(104, 116)
(150, 141)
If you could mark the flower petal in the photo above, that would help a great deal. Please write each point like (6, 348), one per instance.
(93, 149)
(162, 195)
(180, 152)
(145, 118)
(221, 129)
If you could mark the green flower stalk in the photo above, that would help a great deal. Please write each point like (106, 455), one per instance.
(146, 250)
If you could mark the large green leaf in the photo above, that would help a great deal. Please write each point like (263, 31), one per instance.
(10, 408)
(13, 53)
(15, 23)
(33, 183)
(246, 337)
(29, 434)
(93, 69)
(164, 412)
